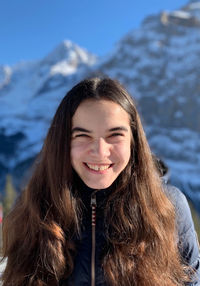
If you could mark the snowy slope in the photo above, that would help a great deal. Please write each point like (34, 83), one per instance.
(158, 63)
(31, 91)
(29, 95)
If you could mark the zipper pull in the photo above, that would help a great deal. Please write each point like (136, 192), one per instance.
(93, 204)
(93, 199)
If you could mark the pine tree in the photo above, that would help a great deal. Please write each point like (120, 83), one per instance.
(9, 195)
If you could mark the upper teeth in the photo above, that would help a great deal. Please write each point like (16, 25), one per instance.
(98, 168)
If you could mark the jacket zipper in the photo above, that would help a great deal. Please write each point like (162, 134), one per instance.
(93, 221)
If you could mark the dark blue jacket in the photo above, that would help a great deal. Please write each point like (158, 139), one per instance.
(188, 243)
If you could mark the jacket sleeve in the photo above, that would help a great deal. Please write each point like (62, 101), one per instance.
(187, 236)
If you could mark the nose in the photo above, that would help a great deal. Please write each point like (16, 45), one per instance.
(100, 148)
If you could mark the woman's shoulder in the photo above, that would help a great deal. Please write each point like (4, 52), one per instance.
(184, 220)
(182, 209)
(187, 237)
(178, 199)
(173, 193)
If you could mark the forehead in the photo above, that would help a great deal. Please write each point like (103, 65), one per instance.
(100, 112)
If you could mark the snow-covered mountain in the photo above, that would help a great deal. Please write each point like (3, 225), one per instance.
(158, 63)
(29, 95)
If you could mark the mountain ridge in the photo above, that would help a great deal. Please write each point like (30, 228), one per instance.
(158, 63)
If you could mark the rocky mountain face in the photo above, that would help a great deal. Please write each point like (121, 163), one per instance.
(29, 96)
(158, 63)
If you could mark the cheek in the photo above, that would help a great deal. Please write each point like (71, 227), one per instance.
(123, 151)
(74, 154)
(77, 151)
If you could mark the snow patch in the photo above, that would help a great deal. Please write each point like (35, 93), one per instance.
(181, 14)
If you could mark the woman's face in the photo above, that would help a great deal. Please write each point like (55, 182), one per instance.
(100, 143)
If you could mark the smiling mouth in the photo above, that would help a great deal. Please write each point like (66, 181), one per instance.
(98, 167)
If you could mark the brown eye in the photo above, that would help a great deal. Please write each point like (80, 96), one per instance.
(116, 134)
(81, 135)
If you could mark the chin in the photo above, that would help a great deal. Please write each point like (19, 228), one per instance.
(98, 186)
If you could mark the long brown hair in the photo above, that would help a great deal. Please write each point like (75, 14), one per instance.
(141, 235)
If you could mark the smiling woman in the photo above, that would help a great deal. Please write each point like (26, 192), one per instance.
(104, 149)
(95, 211)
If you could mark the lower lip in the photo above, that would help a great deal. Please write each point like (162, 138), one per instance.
(97, 172)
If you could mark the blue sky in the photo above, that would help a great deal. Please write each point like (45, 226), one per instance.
(30, 29)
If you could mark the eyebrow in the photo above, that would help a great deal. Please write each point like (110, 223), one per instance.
(119, 128)
(80, 129)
